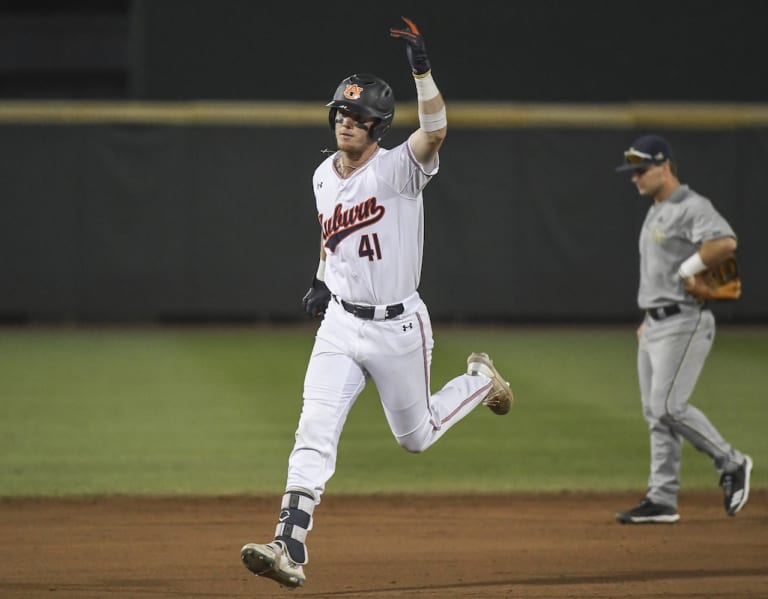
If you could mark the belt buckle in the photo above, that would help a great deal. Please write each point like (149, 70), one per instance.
(393, 311)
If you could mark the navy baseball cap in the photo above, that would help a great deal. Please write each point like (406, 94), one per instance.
(646, 151)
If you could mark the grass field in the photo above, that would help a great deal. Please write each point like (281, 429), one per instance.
(212, 411)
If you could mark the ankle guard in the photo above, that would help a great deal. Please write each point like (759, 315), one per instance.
(295, 522)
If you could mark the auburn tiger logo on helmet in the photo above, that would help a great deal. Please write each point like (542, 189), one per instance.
(353, 91)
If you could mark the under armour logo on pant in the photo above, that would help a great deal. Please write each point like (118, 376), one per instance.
(407, 326)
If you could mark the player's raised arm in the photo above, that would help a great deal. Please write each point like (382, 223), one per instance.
(433, 125)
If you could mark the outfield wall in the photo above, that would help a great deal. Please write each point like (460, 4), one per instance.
(194, 211)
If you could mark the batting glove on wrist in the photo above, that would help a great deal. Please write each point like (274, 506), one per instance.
(416, 49)
(315, 301)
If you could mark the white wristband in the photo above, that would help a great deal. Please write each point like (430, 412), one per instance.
(433, 122)
(692, 266)
(321, 271)
(425, 87)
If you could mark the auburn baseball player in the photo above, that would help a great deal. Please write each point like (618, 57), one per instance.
(374, 324)
(683, 235)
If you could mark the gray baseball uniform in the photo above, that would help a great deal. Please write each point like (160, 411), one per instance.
(678, 332)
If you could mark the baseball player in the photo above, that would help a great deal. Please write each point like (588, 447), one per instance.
(374, 324)
(683, 235)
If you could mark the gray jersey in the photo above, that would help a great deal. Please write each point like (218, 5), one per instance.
(672, 232)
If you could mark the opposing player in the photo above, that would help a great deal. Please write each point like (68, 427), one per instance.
(682, 235)
(375, 325)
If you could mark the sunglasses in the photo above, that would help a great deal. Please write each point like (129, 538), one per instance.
(642, 159)
(633, 156)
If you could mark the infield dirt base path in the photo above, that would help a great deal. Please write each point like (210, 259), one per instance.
(522, 545)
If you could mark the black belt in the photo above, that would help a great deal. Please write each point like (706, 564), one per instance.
(368, 312)
(663, 312)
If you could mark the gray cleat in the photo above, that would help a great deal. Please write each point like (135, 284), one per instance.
(272, 561)
(500, 398)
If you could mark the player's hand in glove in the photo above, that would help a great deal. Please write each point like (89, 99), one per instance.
(416, 49)
(721, 282)
(316, 300)
(697, 288)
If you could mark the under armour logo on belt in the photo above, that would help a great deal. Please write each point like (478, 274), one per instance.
(407, 326)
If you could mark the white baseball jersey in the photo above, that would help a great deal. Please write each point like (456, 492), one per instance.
(373, 226)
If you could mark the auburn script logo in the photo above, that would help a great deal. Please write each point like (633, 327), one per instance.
(345, 222)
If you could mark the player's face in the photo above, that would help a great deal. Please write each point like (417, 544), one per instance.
(649, 179)
(352, 131)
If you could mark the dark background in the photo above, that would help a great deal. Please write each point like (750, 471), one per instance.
(208, 222)
(505, 50)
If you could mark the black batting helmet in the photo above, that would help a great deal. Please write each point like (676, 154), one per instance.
(370, 97)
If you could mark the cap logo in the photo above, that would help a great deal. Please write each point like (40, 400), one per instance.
(353, 91)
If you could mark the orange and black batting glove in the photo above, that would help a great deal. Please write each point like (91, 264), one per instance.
(416, 49)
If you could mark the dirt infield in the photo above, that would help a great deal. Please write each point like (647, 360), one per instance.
(522, 545)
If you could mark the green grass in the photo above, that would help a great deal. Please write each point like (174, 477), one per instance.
(213, 411)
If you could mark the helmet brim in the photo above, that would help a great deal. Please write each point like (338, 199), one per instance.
(352, 107)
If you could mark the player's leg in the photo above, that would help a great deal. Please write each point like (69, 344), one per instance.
(690, 422)
(666, 444)
(332, 384)
(660, 502)
(399, 362)
(680, 362)
(664, 351)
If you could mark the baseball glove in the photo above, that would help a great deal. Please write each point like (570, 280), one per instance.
(721, 282)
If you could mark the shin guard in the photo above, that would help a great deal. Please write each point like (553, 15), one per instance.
(294, 523)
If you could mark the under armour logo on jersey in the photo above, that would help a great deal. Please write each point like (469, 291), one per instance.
(345, 222)
(407, 326)
(353, 91)
(320, 185)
